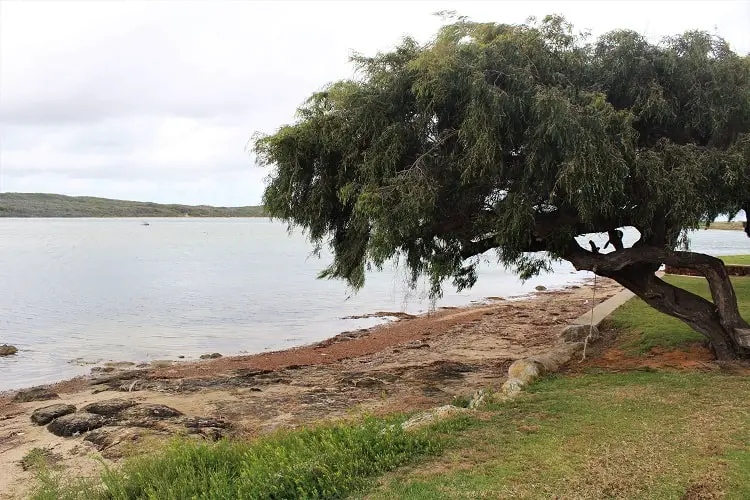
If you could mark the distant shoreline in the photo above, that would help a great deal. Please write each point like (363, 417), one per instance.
(728, 226)
(43, 205)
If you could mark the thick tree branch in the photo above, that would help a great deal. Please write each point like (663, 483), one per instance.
(615, 239)
(647, 259)
(697, 312)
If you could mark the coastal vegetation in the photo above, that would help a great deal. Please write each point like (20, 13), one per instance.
(329, 461)
(596, 433)
(518, 139)
(659, 429)
(57, 205)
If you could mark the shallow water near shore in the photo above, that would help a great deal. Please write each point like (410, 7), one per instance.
(75, 292)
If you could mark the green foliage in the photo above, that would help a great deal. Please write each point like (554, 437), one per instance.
(654, 329)
(326, 462)
(57, 205)
(461, 401)
(515, 138)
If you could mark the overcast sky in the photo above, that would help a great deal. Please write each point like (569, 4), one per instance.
(156, 101)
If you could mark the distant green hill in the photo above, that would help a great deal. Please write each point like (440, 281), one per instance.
(57, 205)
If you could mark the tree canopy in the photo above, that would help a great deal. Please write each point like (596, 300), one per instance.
(519, 138)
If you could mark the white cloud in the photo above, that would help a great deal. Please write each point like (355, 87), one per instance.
(156, 100)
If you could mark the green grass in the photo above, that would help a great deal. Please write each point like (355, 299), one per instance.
(640, 435)
(326, 462)
(630, 435)
(743, 260)
(650, 328)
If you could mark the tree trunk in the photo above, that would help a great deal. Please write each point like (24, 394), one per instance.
(635, 268)
(697, 312)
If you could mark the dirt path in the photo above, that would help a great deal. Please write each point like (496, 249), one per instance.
(407, 365)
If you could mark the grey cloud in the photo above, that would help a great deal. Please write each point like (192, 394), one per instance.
(159, 99)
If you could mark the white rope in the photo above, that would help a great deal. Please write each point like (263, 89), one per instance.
(591, 324)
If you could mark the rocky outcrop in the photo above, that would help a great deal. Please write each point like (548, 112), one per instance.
(109, 407)
(571, 341)
(46, 414)
(106, 440)
(147, 415)
(8, 350)
(203, 422)
(34, 394)
(526, 371)
(76, 423)
(151, 411)
(213, 355)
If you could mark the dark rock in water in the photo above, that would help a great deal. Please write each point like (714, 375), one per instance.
(46, 414)
(34, 394)
(102, 369)
(213, 355)
(75, 423)
(109, 407)
(540, 288)
(8, 350)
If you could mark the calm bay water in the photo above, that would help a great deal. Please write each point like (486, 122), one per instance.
(79, 291)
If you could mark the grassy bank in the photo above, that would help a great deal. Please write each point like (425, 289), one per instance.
(635, 434)
(326, 462)
(631, 435)
(743, 260)
(640, 434)
(56, 205)
(649, 328)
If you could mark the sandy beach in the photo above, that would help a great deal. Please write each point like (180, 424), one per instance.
(406, 365)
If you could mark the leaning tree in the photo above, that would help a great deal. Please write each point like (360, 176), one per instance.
(522, 139)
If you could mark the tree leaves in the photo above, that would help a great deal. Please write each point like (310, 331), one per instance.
(516, 136)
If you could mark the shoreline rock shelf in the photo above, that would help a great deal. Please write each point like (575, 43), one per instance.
(46, 414)
(8, 350)
(422, 363)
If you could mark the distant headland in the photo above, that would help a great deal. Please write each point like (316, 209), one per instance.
(57, 205)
